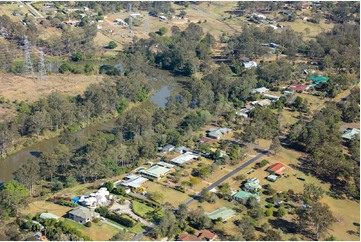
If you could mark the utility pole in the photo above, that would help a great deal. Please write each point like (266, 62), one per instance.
(28, 66)
(42, 69)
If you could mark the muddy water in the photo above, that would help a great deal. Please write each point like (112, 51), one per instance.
(9, 165)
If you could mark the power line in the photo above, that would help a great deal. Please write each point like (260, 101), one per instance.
(42, 69)
(28, 66)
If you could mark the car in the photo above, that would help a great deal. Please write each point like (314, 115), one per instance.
(117, 210)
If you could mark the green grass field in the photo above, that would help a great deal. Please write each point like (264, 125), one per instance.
(140, 208)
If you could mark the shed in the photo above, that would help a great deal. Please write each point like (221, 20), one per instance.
(272, 178)
(168, 148)
(48, 216)
(271, 97)
(184, 158)
(134, 181)
(18, 13)
(155, 172)
(165, 164)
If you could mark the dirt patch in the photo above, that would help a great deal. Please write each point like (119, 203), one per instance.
(14, 87)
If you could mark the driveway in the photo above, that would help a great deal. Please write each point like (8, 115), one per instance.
(126, 209)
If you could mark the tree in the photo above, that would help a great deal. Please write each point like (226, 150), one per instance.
(156, 196)
(272, 235)
(13, 196)
(162, 31)
(109, 186)
(312, 193)
(28, 174)
(275, 145)
(168, 225)
(224, 189)
(317, 218)
(112, 45)
(182, 13)
(246, 228)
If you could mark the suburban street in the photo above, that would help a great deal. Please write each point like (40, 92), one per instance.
(218, 182)
(232, 173)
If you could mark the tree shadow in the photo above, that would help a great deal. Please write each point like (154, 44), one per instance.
(284, 225)
(36, 154)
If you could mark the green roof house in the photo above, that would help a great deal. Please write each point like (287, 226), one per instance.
(350, 133)
(252, 185)
(319, 79)
(242, 196)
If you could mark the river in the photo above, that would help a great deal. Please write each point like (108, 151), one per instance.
(10, 164)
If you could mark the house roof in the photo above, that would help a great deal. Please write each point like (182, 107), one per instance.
(155, 171)
(259, 90)
(205, 234)
(48, 216)
(184, 158)
(245, 195)
(187, 237)
(165, 164)
(351, 133)
(269, 96)
(250, 64)
(83, 212)
(276, 168)
(168, 147)
(135, 181)
(319, 79)
(299, 87)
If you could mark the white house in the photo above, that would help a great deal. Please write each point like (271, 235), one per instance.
(260, 90)
(250, 64)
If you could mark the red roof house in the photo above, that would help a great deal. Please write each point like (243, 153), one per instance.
(299, 87)
(187, 237)
(277, 168)
(205, 234)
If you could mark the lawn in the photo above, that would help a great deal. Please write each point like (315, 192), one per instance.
(172, 196)
(138, 228)
(43, 206)
(97, 231)
(140, 208)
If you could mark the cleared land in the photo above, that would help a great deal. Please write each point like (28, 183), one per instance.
(15, 87)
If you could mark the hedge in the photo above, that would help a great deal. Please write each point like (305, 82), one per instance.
(103, 211)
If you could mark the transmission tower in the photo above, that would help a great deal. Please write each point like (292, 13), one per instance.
(42, 69)
(130, 19)
(28, 67)
(147, 24)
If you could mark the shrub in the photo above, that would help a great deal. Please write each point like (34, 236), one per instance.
(262, 163)
(269, 212)
(112, 45)
(119, 191)
(88, 224)
(96, 220)
(103, 211)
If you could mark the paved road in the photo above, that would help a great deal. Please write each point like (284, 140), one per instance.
(235, 171)
(32, 10)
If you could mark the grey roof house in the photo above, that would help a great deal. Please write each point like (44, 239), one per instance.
(83, 215)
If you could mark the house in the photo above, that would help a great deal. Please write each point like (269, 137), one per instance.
(187, 237)
(272, 178)
(18, 13)
(165, 164)
(216, 133)
(249, 64)
(83, 215)
(350, 134)
(167, 148)
(260, 90)
(299, 87)
(287, 93)
(271, 97)
(48, 216)
(264, 103)
(135, 15)
(252, 185)
(319, 79)
(184, 158)
(132, 181)
(243, 196)
(119, 21)
(181, 149)
(205, 234)
(49, 10)
(155, 172)
(85, 9)
(49, 4)
(95, 199)
(277, 168)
